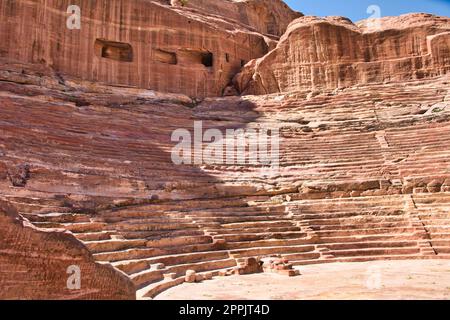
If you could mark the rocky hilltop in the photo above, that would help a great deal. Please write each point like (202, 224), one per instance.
(332, 52)
(86, 173)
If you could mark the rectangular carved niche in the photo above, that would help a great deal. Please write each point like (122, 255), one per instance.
(118, 51)
(165, 56)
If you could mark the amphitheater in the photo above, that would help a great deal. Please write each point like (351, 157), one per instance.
(86, 176)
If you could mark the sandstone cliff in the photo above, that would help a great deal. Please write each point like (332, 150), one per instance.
(328, 53)
(139, 43)
(265, 16)
(35, 264)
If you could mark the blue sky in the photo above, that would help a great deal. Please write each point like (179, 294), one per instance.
(357, 9)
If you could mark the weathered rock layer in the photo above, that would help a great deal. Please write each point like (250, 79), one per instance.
(140, 43)
(363, 174)
(364, 123)
(36, 264)
(328, 53)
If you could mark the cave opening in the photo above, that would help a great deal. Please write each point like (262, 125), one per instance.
(207, 59)
(196, 57)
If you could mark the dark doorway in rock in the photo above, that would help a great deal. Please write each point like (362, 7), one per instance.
(207, 59)
(191, 56)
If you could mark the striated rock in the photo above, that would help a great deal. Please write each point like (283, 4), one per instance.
(103, 171)
(266, 16)
(328, 53)
(138, 43)
(35, 264)
(363, 172)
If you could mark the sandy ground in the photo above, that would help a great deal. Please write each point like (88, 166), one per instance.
(413, 279)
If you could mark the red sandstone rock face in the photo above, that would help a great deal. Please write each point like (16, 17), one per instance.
(34, 264)
(266, 16)
(363, 174)
(328, 53)
(139, 43)
(363, 170)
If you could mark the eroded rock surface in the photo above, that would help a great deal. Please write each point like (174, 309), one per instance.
(364, 159)
(332, 52)
(363, 174)
(139, 43)
(35, 264)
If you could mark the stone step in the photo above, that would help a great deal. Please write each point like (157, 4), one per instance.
(438, 229)
(143, 226)
(267, 243)
(373, 231)
(179, 241)
(146, 277)
(267, 251)
(439, 235)
(360, 226)
(435, 222)
(86, 227)
(153, 289)
(374, 251)
(154, 211)
(366, 238)
(441, 243)
(359, 259)
(241, 219)
(57, 217)
(167, 218)
(347, 215)
(368, 244)
(94, 236)
(35, 208)
(262, 236)
(441, 249)
(260, 224)
(114, 245)
(150, 235)
(253, 211)
(142, 253)
(301, 256)
(355, 219)
(134, 266)
(254, 230)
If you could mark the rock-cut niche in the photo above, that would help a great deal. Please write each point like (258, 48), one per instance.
(118, 51)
